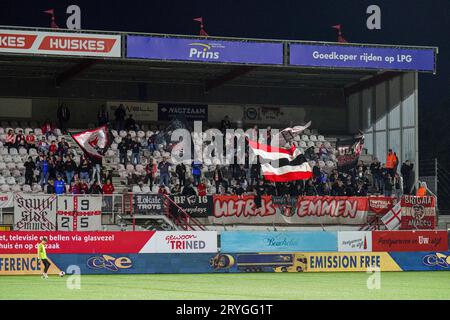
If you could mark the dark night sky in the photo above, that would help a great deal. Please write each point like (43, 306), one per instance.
(406, 22)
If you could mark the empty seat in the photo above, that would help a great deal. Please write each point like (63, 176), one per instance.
(313, 138)
(146, 189)
(37, 132)
(13, 151)
(141, 134)
(321, 163)
(28, 130)
(114, 133)
(58, 132)
(11, 165)
(17, 130)
(23, 151)
(16, 188)
(311, 144)
(2, 130)
(32, 152)
(16, 173)
(122, 133)
(5, 188)
(37, 188)
(321, 138)
(305, 137)
(7, 158)
(2, 180)
(26, 188)
(2, 165)
(132, 134)
(11, 181)
(114, 146)
(136, 189)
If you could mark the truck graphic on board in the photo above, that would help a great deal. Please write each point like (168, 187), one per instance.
(261, 262)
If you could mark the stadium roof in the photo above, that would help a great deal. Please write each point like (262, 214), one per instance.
(210, 75)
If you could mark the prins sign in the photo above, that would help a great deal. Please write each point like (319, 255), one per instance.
(60, 43)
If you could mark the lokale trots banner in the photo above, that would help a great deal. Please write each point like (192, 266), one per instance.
(195, 206)
(148, 204)
(305, 210)
(35, 212)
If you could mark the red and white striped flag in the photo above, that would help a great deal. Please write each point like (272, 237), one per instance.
(393, 218)
(287, 165)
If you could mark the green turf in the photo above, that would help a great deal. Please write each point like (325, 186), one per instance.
(394, 285)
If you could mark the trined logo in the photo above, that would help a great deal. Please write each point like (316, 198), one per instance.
(203, 51)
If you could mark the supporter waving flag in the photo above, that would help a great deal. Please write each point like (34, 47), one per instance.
(284, 164)
(94, 142)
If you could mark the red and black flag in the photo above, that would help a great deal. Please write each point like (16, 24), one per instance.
(94, 142)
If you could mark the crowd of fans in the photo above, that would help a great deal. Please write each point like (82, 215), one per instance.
(57, 168)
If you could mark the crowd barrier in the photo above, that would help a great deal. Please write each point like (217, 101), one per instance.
(83, 212)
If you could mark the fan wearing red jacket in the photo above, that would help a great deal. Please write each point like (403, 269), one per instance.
(201, 189)
(108, 187)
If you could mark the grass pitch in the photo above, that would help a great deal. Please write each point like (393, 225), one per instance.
(259, 286)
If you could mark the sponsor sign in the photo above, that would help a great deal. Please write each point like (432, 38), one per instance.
(75, 242)
(195, 206)
(421, 240)
(189, 112)
(60, 43)
(354, 241)
(423, 261)
(184, 242)
(380, 205)
(142, 111)
(24, 264)
(254, 241)
(6, 200)
(148, 204)
(362, 57)
(200, 50)
(418, 212)
(307, 210)
(350, 262)
(79, 213)
(263, 114)
(35, 212)
(109, 263)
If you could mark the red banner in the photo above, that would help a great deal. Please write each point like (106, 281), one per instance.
(418, 213)
(380, 205)
(392, 241)
(304, 210)
(74, 242)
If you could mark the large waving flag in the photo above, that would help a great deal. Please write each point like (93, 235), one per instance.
(287, 164)
(94, 142)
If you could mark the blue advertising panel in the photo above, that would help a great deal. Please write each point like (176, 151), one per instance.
(189, 112)
(210, 50)
(362, 57)
(422, 261)
(255, 241)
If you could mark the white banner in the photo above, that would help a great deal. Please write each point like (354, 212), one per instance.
(60, 43)
(181, 242)
(6, 200)
(354, 241)
(79, 213)
(35, 212)
(141, 111)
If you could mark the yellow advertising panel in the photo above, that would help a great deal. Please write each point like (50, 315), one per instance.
(23, 264)
(348, 261)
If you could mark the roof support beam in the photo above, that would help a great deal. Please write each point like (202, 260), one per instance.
(373, 81)
(233, 74)
(74, 71)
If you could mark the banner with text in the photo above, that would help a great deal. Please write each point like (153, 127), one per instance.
(418, 212)
(188, 112)
(305, 210)
(34, 212)
(420, 240)
(210, 50)
(148, 204)
(195, 206)
(60, 43)
(141, 111)
(362, 57)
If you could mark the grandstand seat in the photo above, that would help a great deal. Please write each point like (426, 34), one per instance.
(148, 134)
(140, 168)
(110, 153)
(23, 151)
(313, 138)
(312, 163)
(13, 151)
(37, 132)
(330, 164)
(327, 144)
(33, 124)
(16, 130)
(16, 188)
(321, 138)
(114, 133)
(114, 146)
(58, 132)
(26, 188)
(32, 152)
(146, 189)
(118, 140)
(319, 144)
(122, 133)
(307, 131)
(11, 181)
(7, 158)
(16, 173)
(305, 137)
(303, 144)
(28, 130)
(20, 180)
(2, 131)
(20, 166)
(321, 163)
(11, 165)
(136, 189)
(5, 188)
(2, 180)
(2, 166)
(37, 188)
(14, 124)
(141, 134)
(311, 144)
(132, 134)
(3, 137)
